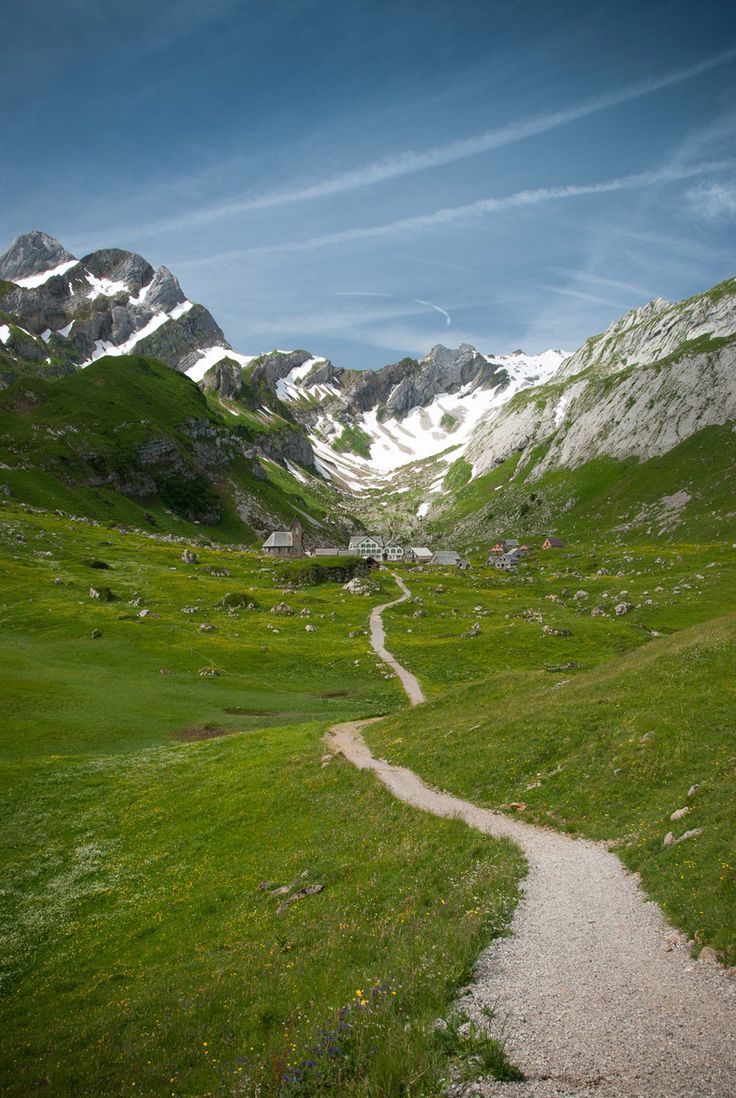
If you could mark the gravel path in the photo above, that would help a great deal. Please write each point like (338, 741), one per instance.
(378, 640)
(595, 996)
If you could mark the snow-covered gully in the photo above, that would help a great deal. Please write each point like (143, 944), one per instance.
(595, 996)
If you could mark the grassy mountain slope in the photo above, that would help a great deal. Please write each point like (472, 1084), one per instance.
(128, 437)
(629, 501)
(599, 728)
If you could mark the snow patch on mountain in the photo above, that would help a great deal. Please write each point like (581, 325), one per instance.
(287, 388)
(32, 281)
(210, 356)
(104, 287)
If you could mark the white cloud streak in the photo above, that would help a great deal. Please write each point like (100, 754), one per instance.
(437, 309)
(409, 162)
(714, 201)
(453, 214)
(376, 293)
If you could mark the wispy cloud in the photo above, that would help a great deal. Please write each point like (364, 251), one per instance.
(437, 309)
(580, 295)
(714, 201)
(452, 214)
(376, 293)
(410, 162)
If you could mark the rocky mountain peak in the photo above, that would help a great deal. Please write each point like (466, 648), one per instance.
(117, 266)
(32, 253)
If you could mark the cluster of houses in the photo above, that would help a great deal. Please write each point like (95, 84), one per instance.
(372, 548)
(504, 555)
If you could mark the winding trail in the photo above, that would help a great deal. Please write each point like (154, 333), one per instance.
(594, 995)
(412, 689)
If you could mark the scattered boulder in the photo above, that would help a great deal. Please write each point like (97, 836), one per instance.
(581, 595)
(205, 627)
(234, 600)
(208, 673)
(143, 613)
(679, 813)
(305, 613)
(283, 610)
(190, 557)
(474, 631)
(189, 609)
(419, 614)
(693, 790)
(670, 840)
(549, 631)
(211, 570)
(597, 612)
(310, 628)
(103, 594)
(358, 586)
(96, 634)
(309, 890)
(708, 956)
(622, 608)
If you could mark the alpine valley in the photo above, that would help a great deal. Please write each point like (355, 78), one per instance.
(123, 400)
(202, 895)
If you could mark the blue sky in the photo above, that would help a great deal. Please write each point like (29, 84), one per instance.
(367, 178)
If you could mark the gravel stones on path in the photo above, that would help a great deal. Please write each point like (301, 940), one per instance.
(594, 995)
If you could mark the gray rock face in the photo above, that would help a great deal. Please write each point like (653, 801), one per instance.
(443, 371)
(164, 291)
(225, 379)
(32, 253)
(119, 266)
(108, 296)
(177, 338)
(274, 366)
(287, 445)
(655, 378)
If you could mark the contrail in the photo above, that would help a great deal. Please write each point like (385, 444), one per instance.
(437, 309)
(411, 161)
(395, 297)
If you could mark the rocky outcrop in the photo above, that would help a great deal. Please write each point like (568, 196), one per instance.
(99, 305)
(443, 371)
(31, 254)
(177, 338)
(273, 367)
(630, 392)
(225, 379)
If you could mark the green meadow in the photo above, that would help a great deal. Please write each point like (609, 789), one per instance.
(195, 901)
(601, 727)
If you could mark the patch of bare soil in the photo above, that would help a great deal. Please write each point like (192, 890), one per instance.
(206, 732)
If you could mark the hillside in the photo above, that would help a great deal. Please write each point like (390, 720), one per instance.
(130, 440)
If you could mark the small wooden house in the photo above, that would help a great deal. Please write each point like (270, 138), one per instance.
(285, 543)
(418, 554)
(553, 543)
(447, 556)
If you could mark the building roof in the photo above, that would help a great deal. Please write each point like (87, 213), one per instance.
(446, 556)
(357, 538)
(280, 539)
(420, 550)
(554, 541)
